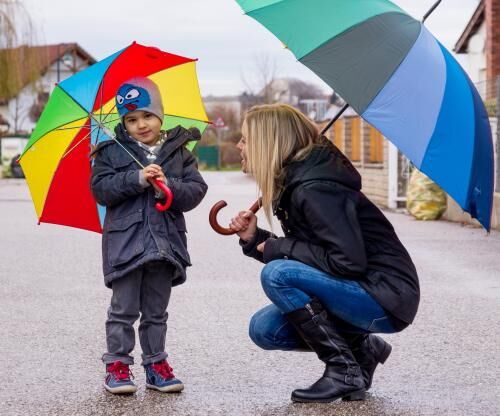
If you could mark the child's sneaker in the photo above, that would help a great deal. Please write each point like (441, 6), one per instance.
(159, 376)
(118, 379)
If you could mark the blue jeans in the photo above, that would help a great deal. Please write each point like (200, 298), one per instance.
(290, 285)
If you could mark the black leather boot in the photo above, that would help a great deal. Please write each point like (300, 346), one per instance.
(369, 351)
(342, 378)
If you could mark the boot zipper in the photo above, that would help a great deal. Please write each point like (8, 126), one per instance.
(314, 317)
(309, 309)
(327, 336)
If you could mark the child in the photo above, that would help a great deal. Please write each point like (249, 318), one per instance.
(144, 250)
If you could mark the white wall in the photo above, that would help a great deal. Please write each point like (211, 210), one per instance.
(19, 107)
(475, 62)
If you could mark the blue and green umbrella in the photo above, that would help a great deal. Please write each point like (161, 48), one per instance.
(392, 71)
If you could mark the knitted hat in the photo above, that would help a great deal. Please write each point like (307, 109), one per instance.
(139, 93)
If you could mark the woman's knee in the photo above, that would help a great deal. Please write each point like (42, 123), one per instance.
(258, 334)
(272, 275)
(265, 329)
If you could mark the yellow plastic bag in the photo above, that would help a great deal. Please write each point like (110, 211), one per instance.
(425, 200)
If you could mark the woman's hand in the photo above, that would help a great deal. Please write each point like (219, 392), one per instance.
(152, 172)
(261, 246)
(245, 225)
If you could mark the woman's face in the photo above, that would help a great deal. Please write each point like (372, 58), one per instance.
(242, 146)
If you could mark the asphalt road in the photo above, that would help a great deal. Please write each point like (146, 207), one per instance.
(53, 307)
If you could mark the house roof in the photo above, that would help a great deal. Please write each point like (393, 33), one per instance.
(471, 29)
(40, 60)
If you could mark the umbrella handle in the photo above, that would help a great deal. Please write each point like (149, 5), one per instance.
(168, 194)
(212, 217)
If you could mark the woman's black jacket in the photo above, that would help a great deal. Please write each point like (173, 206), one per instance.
(329, 224)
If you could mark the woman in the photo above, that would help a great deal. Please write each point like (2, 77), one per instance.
(340, 273)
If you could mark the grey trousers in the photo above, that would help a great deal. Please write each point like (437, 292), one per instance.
(144, 292)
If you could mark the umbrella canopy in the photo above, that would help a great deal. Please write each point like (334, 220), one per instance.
(400, 79)
(81, 112)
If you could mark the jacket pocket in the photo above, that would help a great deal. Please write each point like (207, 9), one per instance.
(125, 239)
(180, 248)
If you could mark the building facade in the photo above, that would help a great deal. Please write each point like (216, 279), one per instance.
(54, 63)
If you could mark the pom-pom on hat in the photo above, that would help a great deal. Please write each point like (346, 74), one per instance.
(139, 93)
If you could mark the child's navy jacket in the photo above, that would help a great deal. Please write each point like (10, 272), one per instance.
(134, 232)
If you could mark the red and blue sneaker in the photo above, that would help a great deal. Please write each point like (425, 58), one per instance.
(118, 379)
(159, 376)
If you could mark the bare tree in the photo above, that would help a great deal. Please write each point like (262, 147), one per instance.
(304, 90)
(260, 84)
(18, 61)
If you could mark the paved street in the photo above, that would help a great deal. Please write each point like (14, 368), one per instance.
(53, 306)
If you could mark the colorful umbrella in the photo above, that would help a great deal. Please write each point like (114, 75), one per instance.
(81, 112)
(400, 79)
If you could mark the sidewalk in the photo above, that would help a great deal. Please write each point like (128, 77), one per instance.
(53, 307)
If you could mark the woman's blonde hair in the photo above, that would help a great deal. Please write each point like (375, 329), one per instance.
(276, 135)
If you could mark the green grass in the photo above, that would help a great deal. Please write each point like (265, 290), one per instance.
(229, 168)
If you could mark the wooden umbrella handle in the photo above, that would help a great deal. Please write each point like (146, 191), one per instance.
(212, 217)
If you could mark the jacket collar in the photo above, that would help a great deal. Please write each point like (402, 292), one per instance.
(176, 137)
(324, 163)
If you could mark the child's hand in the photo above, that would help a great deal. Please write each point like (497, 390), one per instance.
(245, 225)
(153, 171)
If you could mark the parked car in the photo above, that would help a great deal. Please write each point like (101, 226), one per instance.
(11, 148)
(15, 168)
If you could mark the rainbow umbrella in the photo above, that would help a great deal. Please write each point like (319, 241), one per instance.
(399, 78)
(81, 112)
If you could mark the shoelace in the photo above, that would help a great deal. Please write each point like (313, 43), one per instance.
(163, 369)
(120, 371)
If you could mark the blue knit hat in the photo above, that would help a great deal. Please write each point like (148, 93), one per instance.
(139, 93)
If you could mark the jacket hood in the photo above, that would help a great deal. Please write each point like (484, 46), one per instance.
(325, 163)
(179, 136)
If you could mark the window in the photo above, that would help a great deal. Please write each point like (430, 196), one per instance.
(352, 138)
(376, 146)
(338, 136)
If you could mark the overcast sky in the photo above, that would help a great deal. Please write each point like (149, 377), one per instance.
(215, 31)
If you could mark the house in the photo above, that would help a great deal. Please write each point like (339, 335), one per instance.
(307, 97)
(383, 168)
(480, 43)
(224, 105)
(38, 69)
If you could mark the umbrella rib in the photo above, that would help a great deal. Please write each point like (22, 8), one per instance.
(86, 127)
(100, 107)
(105, 129)
(89, 133)
(77, 144)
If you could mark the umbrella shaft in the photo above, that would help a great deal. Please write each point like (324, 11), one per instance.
(334, 119)
(113, 137)
(435, 5)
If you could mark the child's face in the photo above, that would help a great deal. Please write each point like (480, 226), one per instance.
(143, 126)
